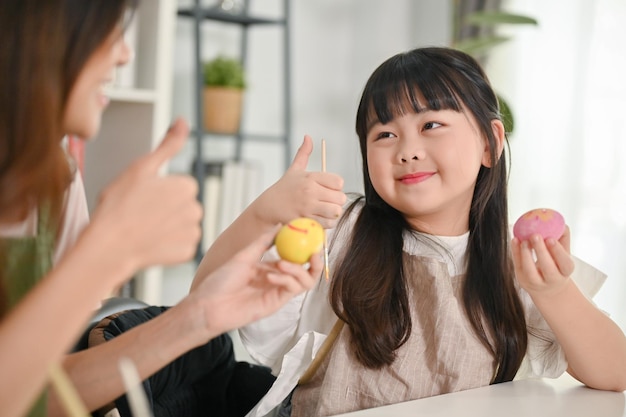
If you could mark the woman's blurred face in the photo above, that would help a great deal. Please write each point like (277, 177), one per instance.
(87, 99)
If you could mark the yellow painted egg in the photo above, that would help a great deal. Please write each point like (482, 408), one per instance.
(299, 239)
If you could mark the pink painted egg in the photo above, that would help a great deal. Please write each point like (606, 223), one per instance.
(543, 221)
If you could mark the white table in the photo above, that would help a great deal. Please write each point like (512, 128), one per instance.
(562, 397)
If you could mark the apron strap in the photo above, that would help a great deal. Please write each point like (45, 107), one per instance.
(322, 352)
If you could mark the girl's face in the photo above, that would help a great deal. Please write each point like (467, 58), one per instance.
(87, 100)
(425, 165)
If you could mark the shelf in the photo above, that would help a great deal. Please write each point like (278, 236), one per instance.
(260, 137)
(132, 95)
(240, 19)
(203, 139)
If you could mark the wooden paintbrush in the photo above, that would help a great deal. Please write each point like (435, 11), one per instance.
(326, 271)
(137, 399)
(66, 392)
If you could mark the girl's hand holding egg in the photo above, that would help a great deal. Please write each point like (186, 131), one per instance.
(542, 267)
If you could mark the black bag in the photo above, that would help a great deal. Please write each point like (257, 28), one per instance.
(205, 381)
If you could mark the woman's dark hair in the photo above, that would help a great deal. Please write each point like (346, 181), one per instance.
(45, 46)
(368, 290)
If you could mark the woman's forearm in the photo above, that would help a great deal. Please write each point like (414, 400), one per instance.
(45, 324)
(150, 346)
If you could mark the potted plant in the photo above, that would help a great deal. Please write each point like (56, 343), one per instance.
(474, 33)
(224, 84)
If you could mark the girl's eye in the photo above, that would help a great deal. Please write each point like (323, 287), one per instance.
(431, 125)
(383, 135)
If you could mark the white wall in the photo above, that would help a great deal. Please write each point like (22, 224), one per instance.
(335, 45)
(565, 81)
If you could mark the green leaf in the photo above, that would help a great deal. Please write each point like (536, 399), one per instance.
(497, 18)
(506, 114)
(224, 72)
(475, 46)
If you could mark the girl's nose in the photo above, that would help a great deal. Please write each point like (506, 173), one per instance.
(410, 147)
(405, 159)
(411, 152)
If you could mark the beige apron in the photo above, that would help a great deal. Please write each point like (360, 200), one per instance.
(442, 354)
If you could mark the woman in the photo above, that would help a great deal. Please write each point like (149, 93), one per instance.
(55, 59)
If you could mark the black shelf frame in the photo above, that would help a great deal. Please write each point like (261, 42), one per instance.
(237, 18)
(201, 14)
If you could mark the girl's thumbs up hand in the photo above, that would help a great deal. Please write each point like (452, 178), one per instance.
(301, 193)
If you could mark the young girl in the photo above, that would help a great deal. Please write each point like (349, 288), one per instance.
(56, 57)
(431, 295)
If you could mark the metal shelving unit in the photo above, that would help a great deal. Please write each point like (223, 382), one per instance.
(203, 15)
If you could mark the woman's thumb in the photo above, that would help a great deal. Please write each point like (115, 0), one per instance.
(171, 144)
(255, 250)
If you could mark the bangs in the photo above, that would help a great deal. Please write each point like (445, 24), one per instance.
(407, 84)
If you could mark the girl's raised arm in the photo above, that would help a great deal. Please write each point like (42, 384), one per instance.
(298, 193)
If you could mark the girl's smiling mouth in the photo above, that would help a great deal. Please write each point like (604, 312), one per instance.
(416, 177)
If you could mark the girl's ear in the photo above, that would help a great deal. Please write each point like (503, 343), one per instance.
(498, 132)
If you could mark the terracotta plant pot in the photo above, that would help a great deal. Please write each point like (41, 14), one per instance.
(222, 109)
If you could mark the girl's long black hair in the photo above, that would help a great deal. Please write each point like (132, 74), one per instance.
(369, 289)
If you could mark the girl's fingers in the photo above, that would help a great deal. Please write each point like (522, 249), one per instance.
(516, 254)
(553, 260)
(330, 181)
(541, 265)
(527, 264)
(327, 215)
(561, 257)
(301, 159)
(565, 239)
(545, 263)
